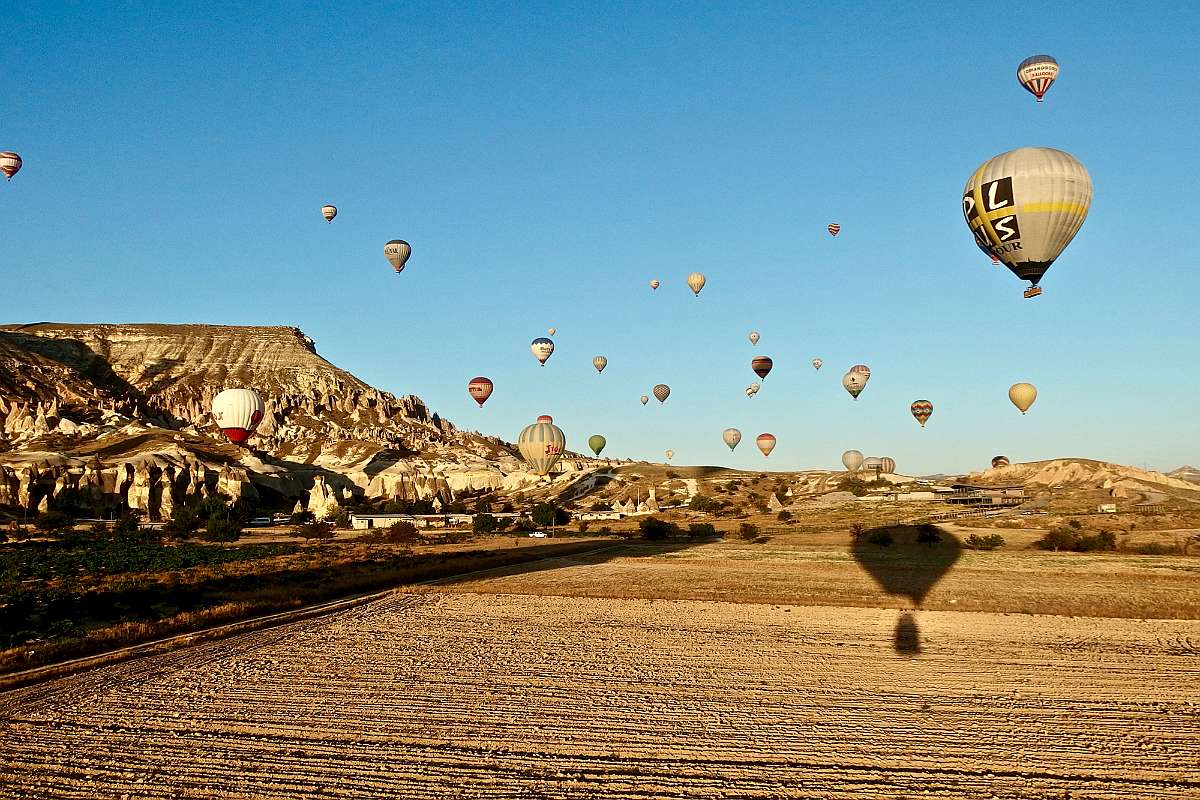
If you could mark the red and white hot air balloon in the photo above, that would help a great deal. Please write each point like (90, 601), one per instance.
(480, 389)
(766, 443)
(328, 212)
(10, 164)
(549, 420)
(833, 228)
(237, 413)
(1037, 74)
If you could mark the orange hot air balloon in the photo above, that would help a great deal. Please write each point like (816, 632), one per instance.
(834, 228)
(922, 410)
(480, 389)
(766, 443)
(549, 420)
(761, 366)
(10, 164)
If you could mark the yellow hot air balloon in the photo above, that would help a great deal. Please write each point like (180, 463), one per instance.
(397, 252)
(328, 212)
(542, 445)
(1025, 206)
(696, 282)
(599, 362)
(1022, 395)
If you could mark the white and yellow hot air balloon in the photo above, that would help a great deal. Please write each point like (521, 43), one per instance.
(541, 445)
(669, 454)
(644, 399)
(328, 212)
(397, 252)
(542, 348)
(731, 437)
(1022, 395)
(754, 337)
(852, 460)
(696, 282)
(10, 164)
(599, 362)
(551, 331)
(1025, 206)
(237, 413)
(816, 362)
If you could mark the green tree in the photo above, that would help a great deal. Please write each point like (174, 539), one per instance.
(548, 514)
(702, 530)
(748, 531)
(784, 516)
(654, 529)
(321, 531)
(700, 502)
(484, 523)
(53, 521)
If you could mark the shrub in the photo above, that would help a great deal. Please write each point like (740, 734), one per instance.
(701, 530)
(53, 520)
(485, 523)
(784, 516)
(400, 532)
(524, 525)
(222, 527)
(928, 535)
(748, 531)
(672, 474)
(1074, 523)
(1074, 541)
(321, 531)
(855, 485)
(700, 502)
(856, 531)
(654, 529)
(304, 517)
(548, 514)
(881, 538)
(1154, 549)
(583, 526)
(989, 542)
(1058, 539)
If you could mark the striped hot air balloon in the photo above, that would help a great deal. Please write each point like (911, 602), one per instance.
(852, 460)
(329, 212)
(922, 410)
(480, 389)
(542, 348)
(887, 465)
(999, 461)
(397, 252)
(10, 164)
(861, 369)
(1037, 74)
(761, 366)
(833, 228)
(545, 418)
(696, 282)
(599, 362)
(661, 392)
(237, 413)
(541, 445)
(766, 443)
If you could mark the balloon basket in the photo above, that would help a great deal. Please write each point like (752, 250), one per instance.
(1032, 291)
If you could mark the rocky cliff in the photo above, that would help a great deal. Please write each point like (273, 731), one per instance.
(119, 415)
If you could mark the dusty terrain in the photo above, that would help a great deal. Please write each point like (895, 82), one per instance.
(504, 686)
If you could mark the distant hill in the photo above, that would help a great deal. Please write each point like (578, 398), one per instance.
(1186, 473)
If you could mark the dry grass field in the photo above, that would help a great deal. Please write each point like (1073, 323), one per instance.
(723, 670)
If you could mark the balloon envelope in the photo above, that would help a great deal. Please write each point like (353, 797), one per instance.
(731, 437)
(542, 348)
(999, 461)
(480, 388)
(10, 164)
(852, 460)
(696, 282)
(237, 413)
(654, 284)
(545, 418)
(541, 445)
(599, 362)
(1025, 206)
(662, 392)
(766, 443)
(397, 252)
(670, 454)
(761, 366)
(861, 369)
(887, 465)
(1022, 395)
(833, 228)
(552, 331)
(854, 383)
(645, 399)
(1037, 73)
(328, 212)
(816, 362)
(597, 442)
(922, 410)
(754, 337)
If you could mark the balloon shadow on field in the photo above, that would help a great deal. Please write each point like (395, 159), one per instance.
(906, 561)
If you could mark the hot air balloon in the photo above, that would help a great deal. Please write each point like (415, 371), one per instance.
(1036, 74)
(397, 252)
(597, 442)
(761, 366)
(752, 389)
(754, 337)
(545, 418)
(552, 331)
(861, 369)
(872, 464)
(541, 445)
(662, 392)
(645, 399)
(480, 388)
(766, 443)
(669, 454)
(654, 284)
(922, 410)
(816, 362)
(599, 362)
(542, 348)
(237, 413)
(329, 212)
(854, 383)
(731, 437)
(1025, 206)
(833, 228)
(696, 282)
(1022, 395)
(10, 164)
(852, 460)
(887, 465)
(999, 461)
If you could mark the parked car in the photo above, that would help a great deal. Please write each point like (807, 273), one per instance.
(539, 535)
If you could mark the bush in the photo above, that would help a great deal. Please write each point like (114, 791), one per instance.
(855, 485)
(548, 515)
(1075, 524)
(989, 542)
(881, 538)
(784, 516)
(654, 529)
(222, 527)
(525, 525)
(928, 535)
(1154, 549)
(748, 531)
(302, 518)
(321, 531)
(856, 531)
(400, 532)
(485, 523)
(700, 502)
(701, 530)
(53, 521)
(1074, 541)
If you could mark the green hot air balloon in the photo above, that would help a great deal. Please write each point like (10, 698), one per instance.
(541, 445)
(597, 442)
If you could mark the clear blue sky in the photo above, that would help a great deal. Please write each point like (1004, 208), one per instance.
(547, 161)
